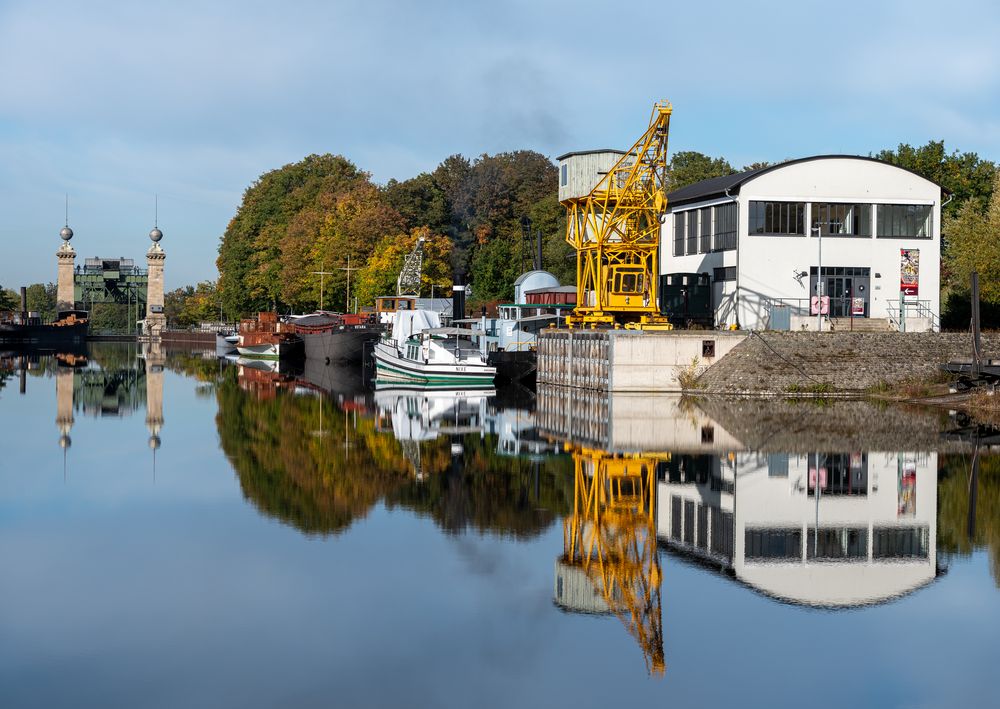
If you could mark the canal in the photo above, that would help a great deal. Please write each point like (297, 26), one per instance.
(179, 530)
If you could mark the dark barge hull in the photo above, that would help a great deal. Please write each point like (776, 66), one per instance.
(343, 345)
(520, 367)
(13, 335)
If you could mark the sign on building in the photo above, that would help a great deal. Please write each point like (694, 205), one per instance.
(909, 271)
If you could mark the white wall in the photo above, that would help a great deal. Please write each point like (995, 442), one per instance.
(767, 264)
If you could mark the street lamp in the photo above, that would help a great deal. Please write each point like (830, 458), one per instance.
(819, 277)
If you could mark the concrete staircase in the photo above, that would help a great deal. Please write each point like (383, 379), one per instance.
(860, 325)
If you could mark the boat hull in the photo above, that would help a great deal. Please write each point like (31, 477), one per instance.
(347, 345)
(271, 350)
(43, 335)
(391, 368)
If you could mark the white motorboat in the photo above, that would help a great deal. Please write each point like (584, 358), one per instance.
(419, 351)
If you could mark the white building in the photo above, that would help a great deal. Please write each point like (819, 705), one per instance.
(755, 235)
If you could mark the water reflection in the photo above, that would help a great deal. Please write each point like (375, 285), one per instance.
(318, 451)
(832, 506)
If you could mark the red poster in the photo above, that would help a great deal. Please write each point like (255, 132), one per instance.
(906, 494)
(909, 271)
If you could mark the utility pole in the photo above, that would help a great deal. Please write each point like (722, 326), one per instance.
(347, 301)
(321, 275)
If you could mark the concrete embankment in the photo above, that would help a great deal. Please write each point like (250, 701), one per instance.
(784, 363)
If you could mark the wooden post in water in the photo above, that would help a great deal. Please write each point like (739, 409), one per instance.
(976, 344)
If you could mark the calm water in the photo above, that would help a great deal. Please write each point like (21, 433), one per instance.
(178, 531)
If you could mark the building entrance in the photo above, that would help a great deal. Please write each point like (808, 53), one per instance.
(848, 288)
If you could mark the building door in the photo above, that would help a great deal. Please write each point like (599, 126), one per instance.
(848, 289)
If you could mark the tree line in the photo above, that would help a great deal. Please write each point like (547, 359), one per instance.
(479, 218)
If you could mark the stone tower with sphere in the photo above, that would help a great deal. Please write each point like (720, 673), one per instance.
(156, 319)
(66, 259)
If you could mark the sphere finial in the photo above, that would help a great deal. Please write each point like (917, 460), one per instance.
(66, 233)
(155, 235)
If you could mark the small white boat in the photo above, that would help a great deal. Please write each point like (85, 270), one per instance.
(419, 351)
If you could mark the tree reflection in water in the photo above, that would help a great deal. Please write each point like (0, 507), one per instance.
(288, 450)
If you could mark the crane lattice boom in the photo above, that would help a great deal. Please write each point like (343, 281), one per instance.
(615, 230)
(611, 536)
(408, 282)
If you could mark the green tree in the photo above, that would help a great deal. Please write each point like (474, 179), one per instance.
(41, 298)
(965, 175)
(421, 201)
(689, 166)
(972, 237)
(9, 300)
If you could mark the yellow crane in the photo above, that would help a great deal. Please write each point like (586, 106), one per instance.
(611, 537)
(615, 230)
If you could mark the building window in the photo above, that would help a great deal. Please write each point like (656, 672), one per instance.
(772, 544)
(842, 219)
(692, 232)
(726, 216)
(705, 217)
(727, 273)
(837, 543)
(679, 233)
(900, 543)
(904, 220)
(564, 175)
(777, 218)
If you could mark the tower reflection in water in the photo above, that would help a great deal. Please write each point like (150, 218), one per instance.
(118, 381)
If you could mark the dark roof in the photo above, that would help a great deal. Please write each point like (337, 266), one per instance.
(717, 186)
(589, 152)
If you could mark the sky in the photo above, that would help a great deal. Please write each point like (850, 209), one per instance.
(120, 105)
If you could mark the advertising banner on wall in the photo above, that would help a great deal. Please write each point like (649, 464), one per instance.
(906, 492)
(909, 271)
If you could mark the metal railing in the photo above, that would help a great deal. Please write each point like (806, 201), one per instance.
(912, 308)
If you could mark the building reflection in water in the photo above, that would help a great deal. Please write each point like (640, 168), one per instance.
(844, 527)
(864, 534)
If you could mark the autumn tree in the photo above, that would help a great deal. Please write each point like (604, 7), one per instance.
(191, 305)
(378, 277)
(250, 263)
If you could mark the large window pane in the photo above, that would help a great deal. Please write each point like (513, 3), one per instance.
(842, 219)
(904, 220)
(725, 226)
(692, 232)
(679, 233)
(777, 218)
(705, 217)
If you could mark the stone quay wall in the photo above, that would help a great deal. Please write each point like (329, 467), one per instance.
(775, 362)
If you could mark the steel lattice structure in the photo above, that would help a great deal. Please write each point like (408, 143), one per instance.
(408, 282)
(611, 536)
(615, 230)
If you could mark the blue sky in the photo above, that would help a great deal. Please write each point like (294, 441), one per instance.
(113, 103)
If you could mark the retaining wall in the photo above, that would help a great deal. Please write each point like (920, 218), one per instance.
(629, 360)
(781, 362)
